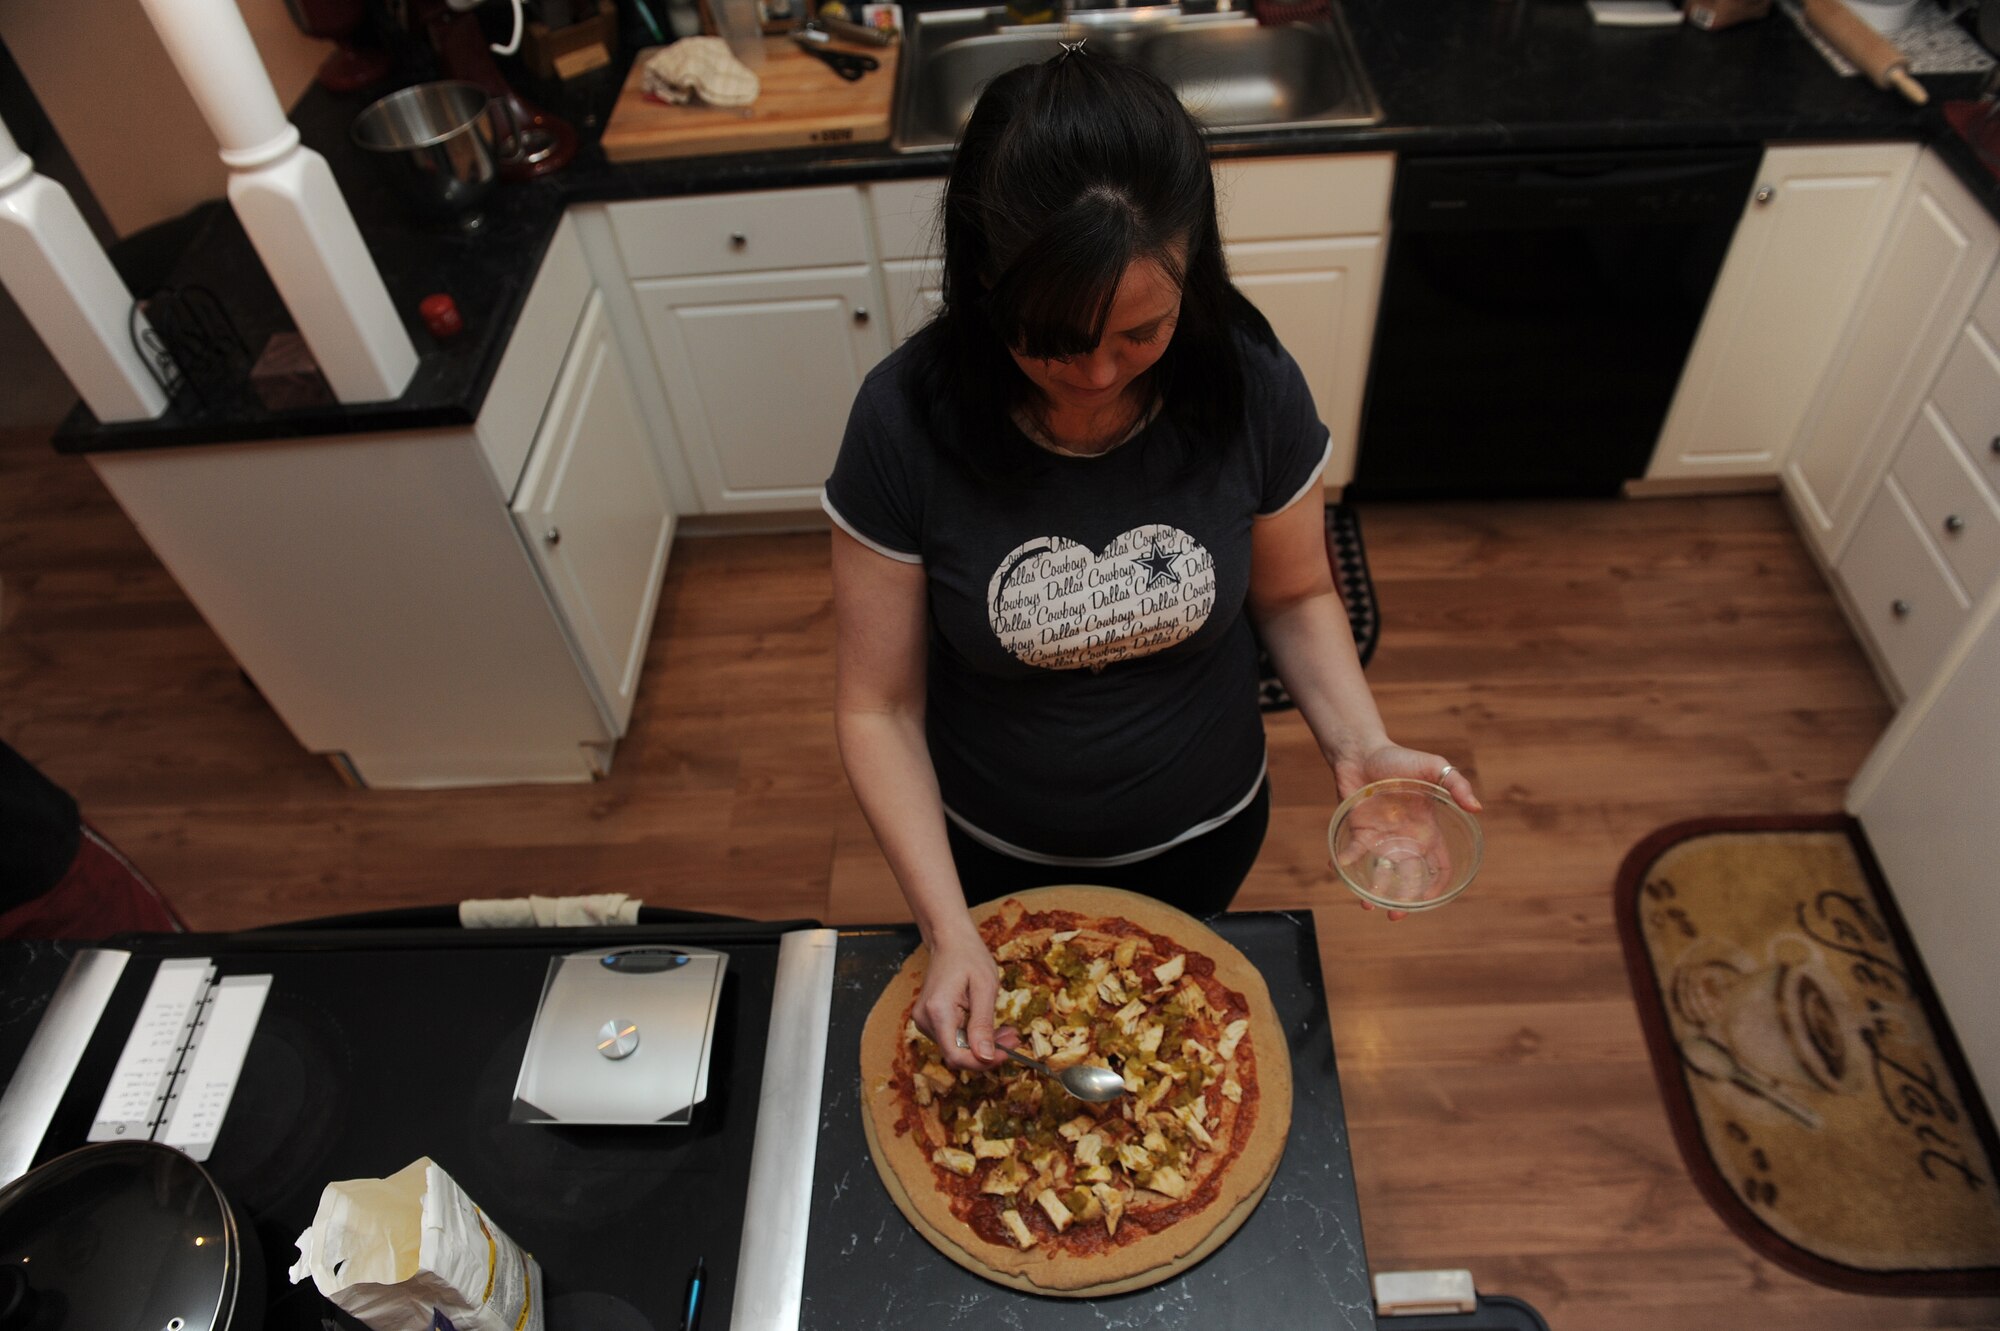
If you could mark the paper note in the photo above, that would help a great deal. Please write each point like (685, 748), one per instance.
(152, 1053)
(220, 1041)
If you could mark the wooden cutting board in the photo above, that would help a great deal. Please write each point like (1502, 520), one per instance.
(803, 103)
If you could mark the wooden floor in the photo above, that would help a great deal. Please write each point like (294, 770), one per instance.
(1597, 668)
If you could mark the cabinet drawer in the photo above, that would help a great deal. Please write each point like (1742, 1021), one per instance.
(906, 217)
(1900, 590)
(1967, 394)
(738, 233)
(1951, 504)
(1290, 197)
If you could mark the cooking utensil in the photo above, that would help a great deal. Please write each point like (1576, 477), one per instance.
(437, 144)
(1711, 1058)
(1878, 57)
(847, 64)
(1084, 1081)
(126, 1234)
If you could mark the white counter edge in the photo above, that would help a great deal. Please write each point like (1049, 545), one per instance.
(771, 1261)
(28, 1105)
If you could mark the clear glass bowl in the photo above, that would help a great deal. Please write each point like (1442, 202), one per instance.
(1404, 844)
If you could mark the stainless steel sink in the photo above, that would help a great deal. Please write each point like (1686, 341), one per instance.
(1233, 74)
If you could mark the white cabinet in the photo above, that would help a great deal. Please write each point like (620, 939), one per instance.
(762, 312)
(394, 595)
(905, 213)
(760, 370)
(1897, 485)
(594, 510)
(1303, 237)
(1320, 298)
(1803, 249)
(1925, 798)
(1939, 249)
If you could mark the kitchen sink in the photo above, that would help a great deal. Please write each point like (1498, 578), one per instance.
(1230, 72)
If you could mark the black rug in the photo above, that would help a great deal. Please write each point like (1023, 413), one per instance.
(1350, 574)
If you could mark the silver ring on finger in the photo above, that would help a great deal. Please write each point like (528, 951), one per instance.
(1446, 771)
(960, 1037)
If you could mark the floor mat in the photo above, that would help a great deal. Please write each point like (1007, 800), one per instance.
(1816, 1094)
(1357, 590)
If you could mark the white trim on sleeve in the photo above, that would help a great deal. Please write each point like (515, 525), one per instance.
(900, 556)
(1312, 480)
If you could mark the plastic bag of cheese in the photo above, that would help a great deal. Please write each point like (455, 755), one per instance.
(412, 1253)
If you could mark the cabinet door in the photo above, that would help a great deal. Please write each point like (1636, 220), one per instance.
(1803, 249)
(1940, 245)
(760, 370)
(1320, 298)
(912, 288)
(1925, 798)
(597, 515)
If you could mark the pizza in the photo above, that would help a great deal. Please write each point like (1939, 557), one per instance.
(1014, 1179)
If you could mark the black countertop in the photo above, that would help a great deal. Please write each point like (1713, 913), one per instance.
(1452, 76)
(376, 1047)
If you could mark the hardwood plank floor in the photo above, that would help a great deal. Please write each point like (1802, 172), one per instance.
(1597, 668)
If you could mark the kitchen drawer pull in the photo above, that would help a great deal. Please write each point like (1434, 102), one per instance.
(861, 314)
(1954, 523)
(737, 240)
(553, 536)
(1765, 193)
(1995, 445)
(1900, 608)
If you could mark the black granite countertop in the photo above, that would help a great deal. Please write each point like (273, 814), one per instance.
(1452, 76)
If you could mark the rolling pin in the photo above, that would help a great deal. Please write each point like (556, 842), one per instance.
(1877, 56)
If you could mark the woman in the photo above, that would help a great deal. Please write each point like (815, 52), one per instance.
(1058, 510)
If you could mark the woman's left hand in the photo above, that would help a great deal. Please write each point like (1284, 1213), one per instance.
(1351, 773)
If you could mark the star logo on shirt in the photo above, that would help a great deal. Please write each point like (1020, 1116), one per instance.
(1159, 566)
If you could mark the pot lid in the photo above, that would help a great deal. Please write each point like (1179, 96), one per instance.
(120, 1236)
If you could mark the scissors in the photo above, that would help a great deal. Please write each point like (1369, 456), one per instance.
(844, 63)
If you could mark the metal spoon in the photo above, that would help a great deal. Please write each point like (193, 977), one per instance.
(1083, 1081)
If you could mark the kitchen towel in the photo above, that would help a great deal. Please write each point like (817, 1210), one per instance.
(701, 67)
(542, 912)
(1815, 1091)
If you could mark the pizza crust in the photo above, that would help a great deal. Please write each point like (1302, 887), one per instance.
(1149, 1260)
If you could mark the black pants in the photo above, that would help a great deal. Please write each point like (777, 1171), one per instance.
(1199, 876)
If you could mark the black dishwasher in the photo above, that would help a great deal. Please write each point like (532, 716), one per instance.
(1535, 315)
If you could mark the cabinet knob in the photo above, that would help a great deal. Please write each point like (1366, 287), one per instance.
(552, 537)
(1900, 608)
(1995, 445)
(1954, 523)
(737, 240)
(861, 314)
(1765, 193)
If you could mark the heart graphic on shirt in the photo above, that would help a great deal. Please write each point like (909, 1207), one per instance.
(1054, 604)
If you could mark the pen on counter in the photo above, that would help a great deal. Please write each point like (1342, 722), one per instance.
(691, 1313)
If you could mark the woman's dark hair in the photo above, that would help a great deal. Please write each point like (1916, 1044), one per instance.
(1067, 172)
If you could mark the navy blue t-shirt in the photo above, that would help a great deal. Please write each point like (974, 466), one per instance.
(1092, 684)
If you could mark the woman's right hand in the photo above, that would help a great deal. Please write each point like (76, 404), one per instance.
(958, 994)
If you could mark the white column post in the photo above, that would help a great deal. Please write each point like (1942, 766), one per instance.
(64, 282)
(289, 204)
